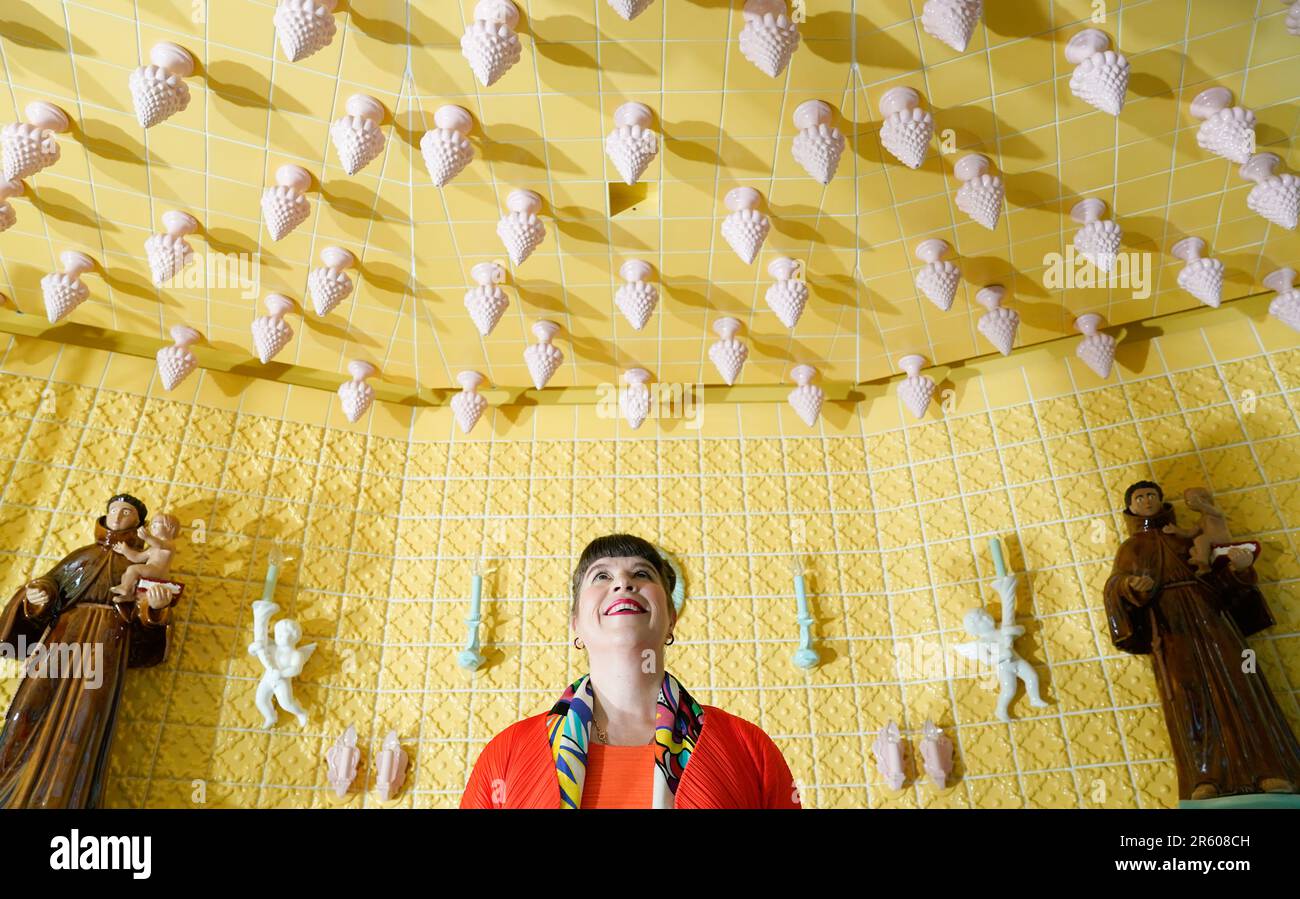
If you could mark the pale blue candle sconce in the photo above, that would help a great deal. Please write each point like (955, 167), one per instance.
(470, 658)
(805, 656)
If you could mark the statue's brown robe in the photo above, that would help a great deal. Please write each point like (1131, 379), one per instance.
(1225, 726)
(57, 734)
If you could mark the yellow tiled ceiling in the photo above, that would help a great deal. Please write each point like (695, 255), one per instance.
(724, 123)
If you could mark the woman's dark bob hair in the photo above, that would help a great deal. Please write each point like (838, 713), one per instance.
(613, 546)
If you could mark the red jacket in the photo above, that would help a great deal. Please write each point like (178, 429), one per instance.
(734, 765)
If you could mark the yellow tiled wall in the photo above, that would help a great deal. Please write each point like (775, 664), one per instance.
(384, 516)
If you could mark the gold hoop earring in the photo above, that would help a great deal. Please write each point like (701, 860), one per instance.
(578, 644)
(671, 640)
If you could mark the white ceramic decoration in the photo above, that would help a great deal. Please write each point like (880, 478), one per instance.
(633, 144)
(888, 750)
(329, 284)
(158, 90)
(906, 128)
(30, 146)
(520, 229)
(304, 26)
(938, 278)
(819, 145)
(486, 301)
(789, 295)
(936, 754)
(634, 399)
(468, 405)
(629, 9)
(1226, 130)
(170, 252)
(807, 398)
(64, 291)
(543, 357)
(285, 206)
(952, 21)
(1097, 349)
(916, 389)
(994, 647)
(356, 395)
(768, 38)
(745, 228)
(1202, 276)
(341, 762)
(175, 362)
(1275, 197)
(271, 333)
(445, 147)
(9, 215)
(1286, 305)
(390, 768)
(999, 324)
(637, 297)
(980, 195)
(727, 353)
(357, 136)
(1100, 76)
(490, 43)
(1099, 239)
(282, 661)
(1292, 17)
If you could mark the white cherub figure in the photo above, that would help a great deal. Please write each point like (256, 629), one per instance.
(283, 661)
(155, 560)
(994, 647)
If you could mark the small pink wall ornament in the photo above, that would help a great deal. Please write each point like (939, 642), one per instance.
(638, 296)
(906, 128)
(285, 206)
(916, 389)
(936, 754)
(175, 362)
(981, 194)
(629, 9)
(938, 278)
(469, 404)
(64, 291)
(1292, 17)
(9, 215)
(1099, 239)
(1275, 197)
(271, 333)
(1226, 130)
(999, 324)
(1100, 76)
(445, 147)
(634, 399)
(952, 21)
(789, 295)
(1202, 276)
(520, 230)
(30, 146)
(169, 252)
(633, 144)
(329, 284)
(1286, 305)
(543, 358)
(304, 26)
(356, 395)
(158, 90)
(807, 398)
(486, 301)
(1097, 349)
(769, 37)
(490, 43)
(357, 135)
(727, 353)
(746, 227)
(341, 762)
(390, 768)
(888, 749)
(819, 144)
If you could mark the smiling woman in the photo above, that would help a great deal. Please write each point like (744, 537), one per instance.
(628, 734)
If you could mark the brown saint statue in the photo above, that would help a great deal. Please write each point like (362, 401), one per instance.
(1228, 733)
(56, 738)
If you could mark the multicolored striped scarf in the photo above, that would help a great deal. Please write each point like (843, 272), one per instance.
(678, 720)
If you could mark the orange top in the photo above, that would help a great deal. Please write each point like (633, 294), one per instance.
(619, 776)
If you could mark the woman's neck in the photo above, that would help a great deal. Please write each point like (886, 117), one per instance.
(627, 697)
